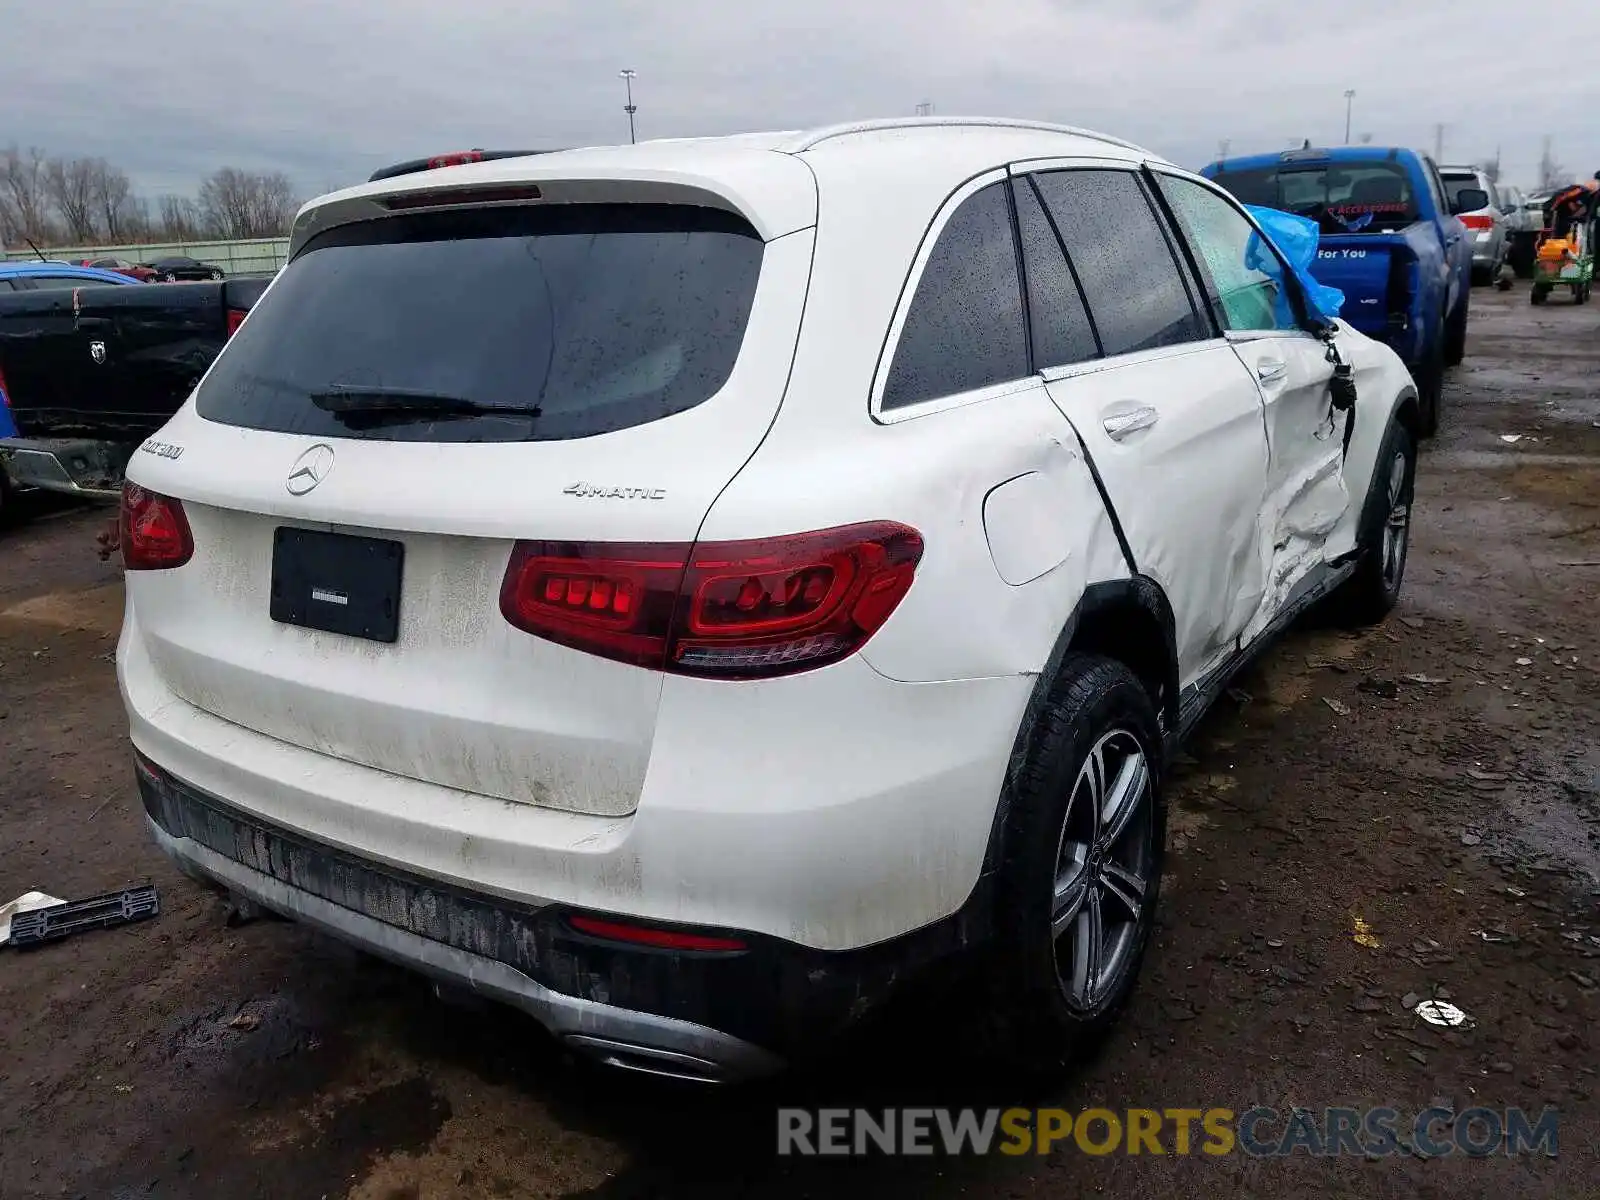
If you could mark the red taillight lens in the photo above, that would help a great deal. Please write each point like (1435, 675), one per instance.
(155, 534)
(1478, 222)
(5, 396)
(659, 939)
(731, 610)
(235, 319)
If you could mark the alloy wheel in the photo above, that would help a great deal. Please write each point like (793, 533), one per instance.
(1103, 870)
(1397, 525)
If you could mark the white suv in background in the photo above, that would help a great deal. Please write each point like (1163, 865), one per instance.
(688, 590)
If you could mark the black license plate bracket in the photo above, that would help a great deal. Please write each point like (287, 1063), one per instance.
(337, 582)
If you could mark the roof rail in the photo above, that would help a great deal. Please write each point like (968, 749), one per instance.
(814, 137)
(454, 158)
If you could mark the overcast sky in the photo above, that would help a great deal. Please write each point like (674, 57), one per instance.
(326, 90)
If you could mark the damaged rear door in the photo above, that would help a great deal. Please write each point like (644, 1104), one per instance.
(1305, 495)
(1168, 415)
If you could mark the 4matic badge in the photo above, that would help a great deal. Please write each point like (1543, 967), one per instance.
(600, 491)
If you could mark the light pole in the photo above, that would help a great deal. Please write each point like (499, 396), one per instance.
(1349, 99)
(630, 107)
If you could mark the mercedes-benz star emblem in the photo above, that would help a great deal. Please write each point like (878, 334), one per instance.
(310, 469)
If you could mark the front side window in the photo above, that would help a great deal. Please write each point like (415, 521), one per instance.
(1133, 286)
(965, 327)
(1244, 276)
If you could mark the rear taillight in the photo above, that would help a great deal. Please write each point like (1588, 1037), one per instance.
(5, 396)
(729, 610)
(1478, 222)
(236, 318)
(155, 534)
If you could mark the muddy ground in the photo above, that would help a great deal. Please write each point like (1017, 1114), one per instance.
(1459, 818)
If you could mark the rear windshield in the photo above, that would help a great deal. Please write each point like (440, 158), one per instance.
(1346, 197)
(585, 318)
(1454, 185)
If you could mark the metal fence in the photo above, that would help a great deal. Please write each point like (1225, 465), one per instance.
(235, 258)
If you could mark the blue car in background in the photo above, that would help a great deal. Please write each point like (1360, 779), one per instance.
(1390, 240)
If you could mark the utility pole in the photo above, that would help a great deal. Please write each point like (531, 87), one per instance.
(1223, 147)
(1349, 101)
(628, 75)
(1438, 143)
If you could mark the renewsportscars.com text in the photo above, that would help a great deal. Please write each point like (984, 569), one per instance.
(1258, 1132)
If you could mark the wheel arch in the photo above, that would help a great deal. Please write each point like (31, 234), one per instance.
(1129, 620)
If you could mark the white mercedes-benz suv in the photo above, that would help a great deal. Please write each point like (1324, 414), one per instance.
(692, 590)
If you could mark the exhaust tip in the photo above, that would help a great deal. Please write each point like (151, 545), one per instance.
(649, 1060)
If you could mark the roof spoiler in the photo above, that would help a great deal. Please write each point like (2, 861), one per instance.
(454, 159)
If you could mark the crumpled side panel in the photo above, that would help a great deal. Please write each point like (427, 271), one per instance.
(1297, 240)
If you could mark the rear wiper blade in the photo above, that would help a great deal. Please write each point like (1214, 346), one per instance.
(380, 401)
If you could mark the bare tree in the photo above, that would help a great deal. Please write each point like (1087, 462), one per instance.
(180, 219)
(70, 185)
(246, 204)
(112, 196)
(135, 221)
(1552, 175)
(24, 202)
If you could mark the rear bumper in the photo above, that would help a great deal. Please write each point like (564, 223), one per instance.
(661, 1012)
(71, 466)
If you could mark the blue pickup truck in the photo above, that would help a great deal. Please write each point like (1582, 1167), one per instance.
(1390, 241)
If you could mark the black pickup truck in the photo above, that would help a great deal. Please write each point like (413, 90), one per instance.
(89, 373)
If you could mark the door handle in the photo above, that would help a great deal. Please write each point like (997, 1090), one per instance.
(1120, 425)
(1271, 370)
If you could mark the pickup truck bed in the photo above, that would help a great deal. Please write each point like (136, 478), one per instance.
(90, 373)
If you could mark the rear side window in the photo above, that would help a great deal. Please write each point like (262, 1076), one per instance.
(586, 318)
(1061, 330)
(1133, 285)
(965, 327)
(1343, 197)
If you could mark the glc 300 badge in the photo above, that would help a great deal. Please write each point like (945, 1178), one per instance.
(600, 491)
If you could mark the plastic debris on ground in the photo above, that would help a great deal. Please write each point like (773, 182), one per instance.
(1440, 1012)
(1297, 239)
(62, 919)
(26, 902)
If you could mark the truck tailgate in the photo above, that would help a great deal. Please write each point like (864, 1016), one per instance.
(1361, 267)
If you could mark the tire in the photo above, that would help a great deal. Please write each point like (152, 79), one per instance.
(1043, 1016)
(7, 500)
(1455, 334)
(1369, 595)
(1481, 276)
(1429, 378)
(1539, 293)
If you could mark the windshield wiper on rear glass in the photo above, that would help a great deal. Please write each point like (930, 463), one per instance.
(379, 402)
